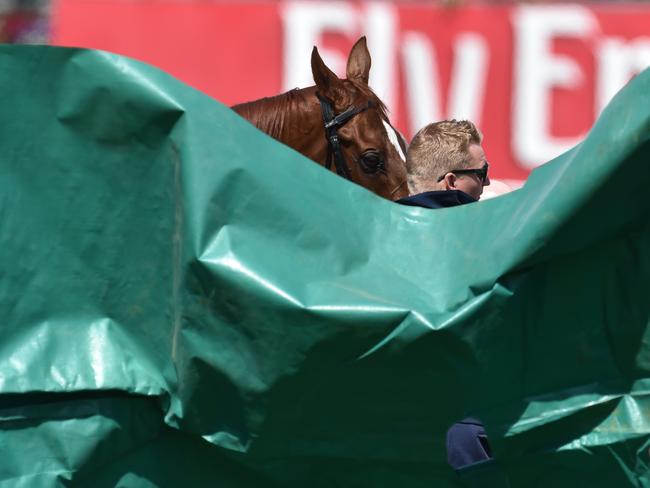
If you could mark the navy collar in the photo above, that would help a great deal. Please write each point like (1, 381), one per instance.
(438, 199)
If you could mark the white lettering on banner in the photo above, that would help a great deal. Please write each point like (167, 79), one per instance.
(380, 24)
(303, 24)
(469, 78)
(537, 70)
(467, 84)
(421, 77)
(618, 61)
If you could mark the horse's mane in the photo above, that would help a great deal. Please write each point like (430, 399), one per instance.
(268, 114)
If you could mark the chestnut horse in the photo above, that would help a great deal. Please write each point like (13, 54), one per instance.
(338, 121)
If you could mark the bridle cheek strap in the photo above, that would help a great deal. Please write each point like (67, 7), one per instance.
(332, 123)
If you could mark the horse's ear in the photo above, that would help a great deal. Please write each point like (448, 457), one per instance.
(359, 62)
(329, 85)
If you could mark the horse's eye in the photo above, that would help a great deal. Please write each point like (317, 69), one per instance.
(371, 162)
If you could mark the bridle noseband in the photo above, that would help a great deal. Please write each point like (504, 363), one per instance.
(333, 122)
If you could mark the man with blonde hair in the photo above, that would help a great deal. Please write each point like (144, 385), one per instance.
(446, 165)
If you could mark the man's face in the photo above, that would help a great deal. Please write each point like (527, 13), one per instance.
(471, 183)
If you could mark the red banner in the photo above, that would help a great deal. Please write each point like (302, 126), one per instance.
(533, 77)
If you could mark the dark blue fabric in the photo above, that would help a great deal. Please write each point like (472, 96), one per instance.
(467, 443)
(466, 440)
(437, 199)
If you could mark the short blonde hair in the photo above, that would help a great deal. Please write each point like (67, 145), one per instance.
(438, 148)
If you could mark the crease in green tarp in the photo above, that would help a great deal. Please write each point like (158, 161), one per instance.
(188, 301)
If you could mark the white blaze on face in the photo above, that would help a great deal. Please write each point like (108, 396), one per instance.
(394, 139)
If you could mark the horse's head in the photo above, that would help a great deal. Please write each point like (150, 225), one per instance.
(373, 151)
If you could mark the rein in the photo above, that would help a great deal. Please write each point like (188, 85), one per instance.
(332, 123)
(397, 188)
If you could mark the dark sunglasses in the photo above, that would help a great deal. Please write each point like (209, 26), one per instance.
(480, 172)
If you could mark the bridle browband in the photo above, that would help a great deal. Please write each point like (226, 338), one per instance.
(332, 123)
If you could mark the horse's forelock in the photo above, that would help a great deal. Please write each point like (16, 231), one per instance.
(367, 92)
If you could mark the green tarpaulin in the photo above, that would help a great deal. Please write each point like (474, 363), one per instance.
(186, 302)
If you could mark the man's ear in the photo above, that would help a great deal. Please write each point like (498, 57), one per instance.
(358, 67)
(449, 181)
(329, 85)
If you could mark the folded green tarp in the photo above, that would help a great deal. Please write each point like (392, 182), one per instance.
(186, 302)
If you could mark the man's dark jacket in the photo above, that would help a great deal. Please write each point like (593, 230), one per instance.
(437, 199)
(466, 440)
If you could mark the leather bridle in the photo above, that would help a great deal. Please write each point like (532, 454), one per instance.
(332, 123)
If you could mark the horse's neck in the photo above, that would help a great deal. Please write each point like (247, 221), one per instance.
(280, 115)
